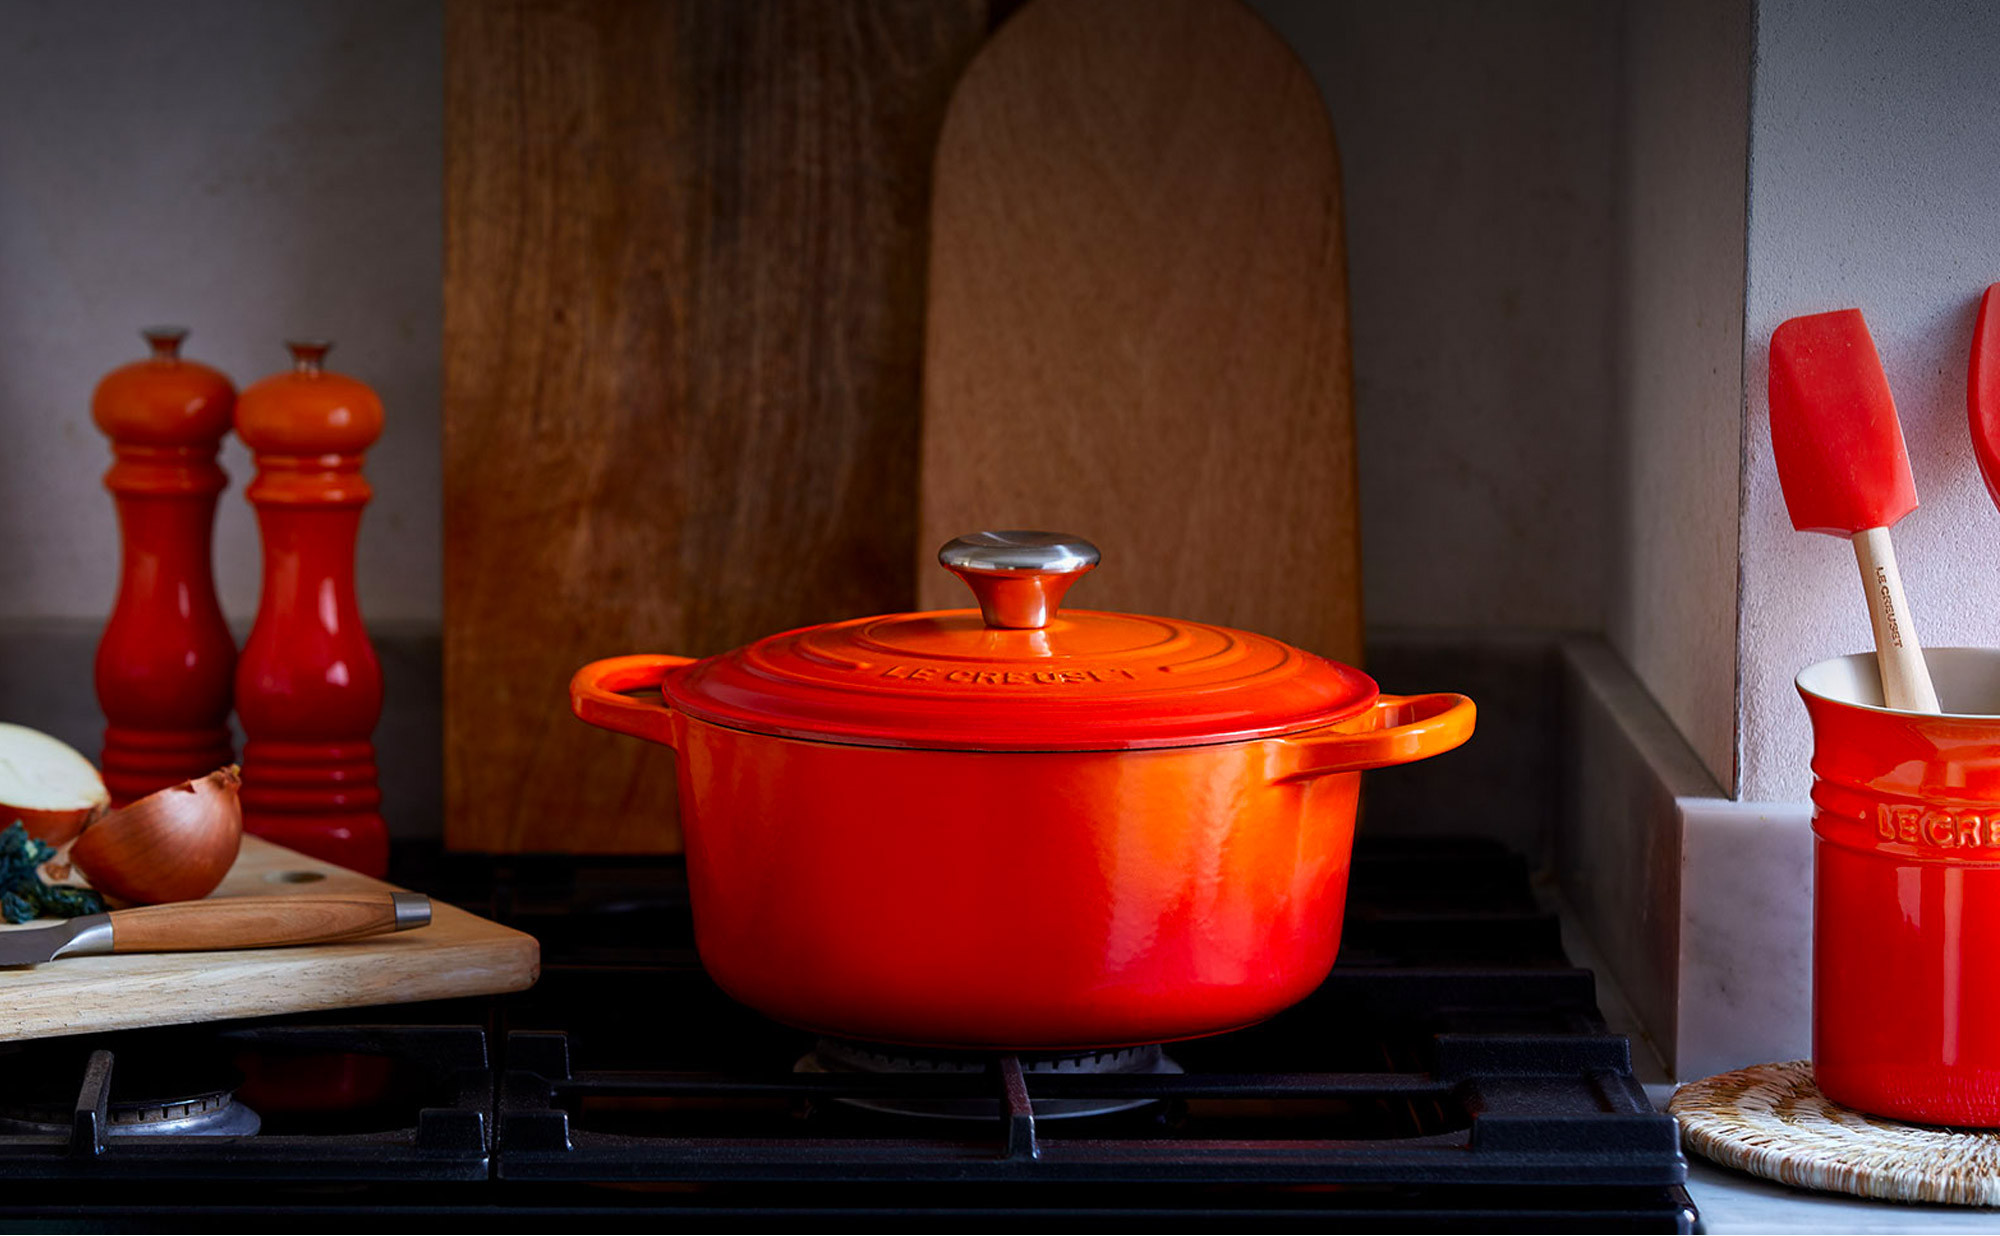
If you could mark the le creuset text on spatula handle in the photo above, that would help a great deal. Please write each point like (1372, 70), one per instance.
(254, 922)
(1846, 472)
(1906, 679)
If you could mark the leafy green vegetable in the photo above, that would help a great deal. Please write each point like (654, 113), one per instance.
(23, 895)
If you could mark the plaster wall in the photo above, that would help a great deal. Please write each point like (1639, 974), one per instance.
(1874, 182)
(1478, 144)
(1679, 394)
(254, 172)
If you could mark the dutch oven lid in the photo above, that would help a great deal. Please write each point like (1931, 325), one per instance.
(1016, 675)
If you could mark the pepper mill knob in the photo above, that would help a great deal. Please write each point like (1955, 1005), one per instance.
(309, 687)
(1019, 577)
(164, 400)
(310, 411)
(166, 659)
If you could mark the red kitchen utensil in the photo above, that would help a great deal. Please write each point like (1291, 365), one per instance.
(166, 661)
(1982, 391)
(1017, 826)
(1845, 472)
(1906, 892)
(308, 686)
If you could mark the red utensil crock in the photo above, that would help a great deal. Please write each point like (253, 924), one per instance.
(1906, 897)
(1013, 828)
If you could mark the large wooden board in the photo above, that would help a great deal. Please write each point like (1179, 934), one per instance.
(1138, 317)
(459, 954)
(683, 305)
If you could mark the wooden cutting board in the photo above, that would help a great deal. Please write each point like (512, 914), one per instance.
(684, 252)
(459, 954)
(1137, 322)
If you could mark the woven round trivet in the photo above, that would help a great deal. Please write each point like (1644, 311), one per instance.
(1771, 1120)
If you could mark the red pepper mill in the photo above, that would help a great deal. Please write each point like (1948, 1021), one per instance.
(164, 664)
(308, 687)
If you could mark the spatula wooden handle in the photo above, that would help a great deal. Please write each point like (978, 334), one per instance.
(1906, 680)
(264, 922)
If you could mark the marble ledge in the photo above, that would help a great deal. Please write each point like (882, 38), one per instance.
(1700, 906)
(1745, 977)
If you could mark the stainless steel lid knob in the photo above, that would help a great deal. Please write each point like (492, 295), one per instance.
(1019, 577)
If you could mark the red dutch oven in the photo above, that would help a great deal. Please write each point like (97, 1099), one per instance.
(1013, 828)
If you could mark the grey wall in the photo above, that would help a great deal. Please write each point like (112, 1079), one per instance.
(1478, 146)
(249, 170)
(1679, 394)
(1874, 182)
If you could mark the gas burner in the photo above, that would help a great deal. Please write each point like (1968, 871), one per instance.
(844, 1056)
(167, 1086)
(208, 1115)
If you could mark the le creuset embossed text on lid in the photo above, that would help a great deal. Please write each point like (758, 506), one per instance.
(1019, 673)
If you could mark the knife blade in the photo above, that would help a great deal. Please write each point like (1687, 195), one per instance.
(219, 923)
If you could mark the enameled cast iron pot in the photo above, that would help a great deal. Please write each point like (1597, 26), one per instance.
(1013, 828)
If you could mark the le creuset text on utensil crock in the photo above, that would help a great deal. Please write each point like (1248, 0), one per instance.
(1014, 827)
(1906, 891)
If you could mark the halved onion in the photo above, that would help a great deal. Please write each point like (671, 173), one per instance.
(47, 785)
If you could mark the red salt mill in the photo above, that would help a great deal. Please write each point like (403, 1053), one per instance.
(165, 661)
(308, 687)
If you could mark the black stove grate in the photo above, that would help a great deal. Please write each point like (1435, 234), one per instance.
(1452, 1074)
(1527, 1126)
(1454, 1068)
(338, 1103)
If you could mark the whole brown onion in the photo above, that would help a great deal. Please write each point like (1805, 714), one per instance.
(173, 845)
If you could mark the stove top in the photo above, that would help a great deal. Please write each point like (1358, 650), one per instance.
(1452, 1074)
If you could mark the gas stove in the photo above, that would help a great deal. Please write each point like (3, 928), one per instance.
(1453, 1073)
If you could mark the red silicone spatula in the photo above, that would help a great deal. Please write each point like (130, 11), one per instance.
(1982, 390)
(1845, 472)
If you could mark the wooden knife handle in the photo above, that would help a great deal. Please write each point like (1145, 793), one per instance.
(264, 922)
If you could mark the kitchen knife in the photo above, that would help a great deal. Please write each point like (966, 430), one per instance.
(219, 923)
(1845, 472)
(1982, 390)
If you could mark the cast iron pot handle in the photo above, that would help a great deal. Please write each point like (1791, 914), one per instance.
(595, 695)
(1397, 730)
